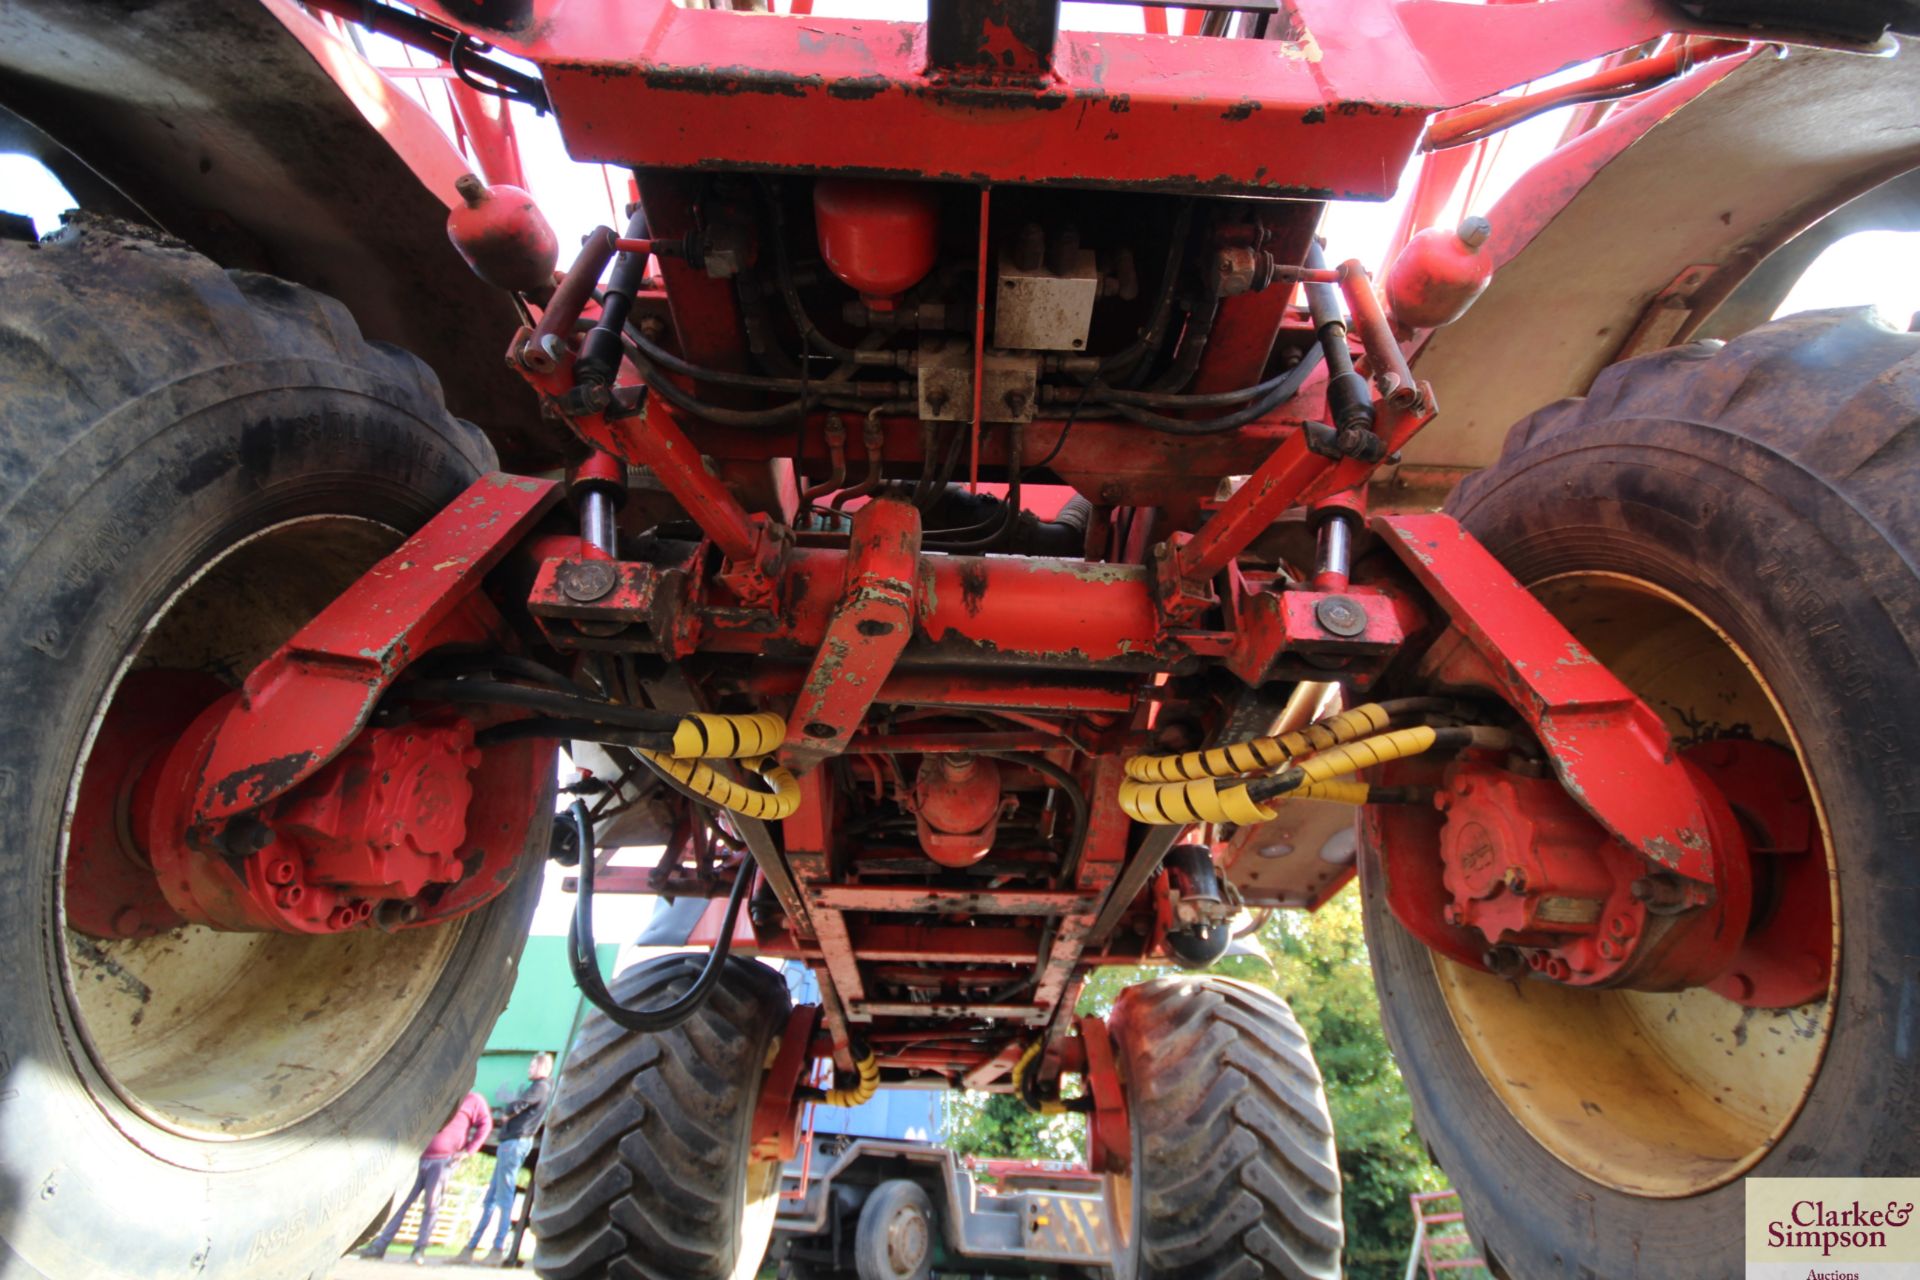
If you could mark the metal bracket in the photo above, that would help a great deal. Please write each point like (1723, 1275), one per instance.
(869, 628)
(1610, 749)
(302, 706)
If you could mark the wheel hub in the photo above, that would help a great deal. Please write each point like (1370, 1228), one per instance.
(906, 1241)
(1553, 893)
(361, 840)
(110, 887)
(1786, 958)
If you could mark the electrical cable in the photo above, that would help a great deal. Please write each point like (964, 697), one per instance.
(585, 963)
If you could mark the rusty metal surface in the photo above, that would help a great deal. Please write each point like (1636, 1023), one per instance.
(1342, 92)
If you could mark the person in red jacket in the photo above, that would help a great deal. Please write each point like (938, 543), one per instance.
(458, 1138)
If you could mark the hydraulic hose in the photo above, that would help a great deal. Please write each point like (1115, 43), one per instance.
(585, 963)
(1076, 799)
(1257, 754)
(1142, 347)
(1244, 802)
(717, 789)
(868, 1069)
(810, 335)
(1352, 757)
(546, 701)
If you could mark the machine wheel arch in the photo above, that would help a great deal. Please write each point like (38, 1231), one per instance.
(166, 429)
(1763, 485)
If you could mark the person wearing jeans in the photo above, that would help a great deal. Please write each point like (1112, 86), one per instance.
(518, 1121)
(458, 1138)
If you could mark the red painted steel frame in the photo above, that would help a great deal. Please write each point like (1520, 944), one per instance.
(1610, 749)
(301, 706)
(1332, 103)
(1342, 96)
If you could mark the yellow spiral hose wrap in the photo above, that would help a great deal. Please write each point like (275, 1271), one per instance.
(869, 1069)
(768, 806)
(1340, 792)
(1260, 755)
(714, 737)
(1319, 776)
(1337, 762)
(1183, 803)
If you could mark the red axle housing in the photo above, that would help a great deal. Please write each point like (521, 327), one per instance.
(956, 801)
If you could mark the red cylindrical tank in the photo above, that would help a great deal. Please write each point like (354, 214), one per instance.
(956, 802)
(880, 237)
(1438, 275)
(504, 237)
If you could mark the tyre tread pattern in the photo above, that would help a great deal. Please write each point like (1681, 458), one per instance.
(1238, 1177)
(640, 1172)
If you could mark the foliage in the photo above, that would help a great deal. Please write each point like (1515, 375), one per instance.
(1319, 963)
(996, 1126)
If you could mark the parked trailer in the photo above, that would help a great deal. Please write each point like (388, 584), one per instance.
(889, 1209)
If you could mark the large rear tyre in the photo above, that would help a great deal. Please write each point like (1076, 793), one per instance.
(1733, 532)
(1233, 1172)
(645, 1172)
(192, 463)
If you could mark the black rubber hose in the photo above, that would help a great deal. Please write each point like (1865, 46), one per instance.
(547, 702)
(600, 350)
(995, 528)
(443, 664)
(586, 965)
(1143, 345)
(719, 377)
(1193, 345)
(1069, 788)
(1309, 361)
(1283, 389)
(574, 730)
(810, 335)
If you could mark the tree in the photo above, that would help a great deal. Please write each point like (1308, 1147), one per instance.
(998, 1127)
(1317, 961)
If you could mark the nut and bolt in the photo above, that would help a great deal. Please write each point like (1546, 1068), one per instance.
(1504, 961)
(1340, 616)
(245, 836)
(587, 580)
(1663, 895)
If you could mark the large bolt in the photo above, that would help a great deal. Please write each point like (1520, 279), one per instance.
(587, 580)
(1340, 616)
(1663, 895)
(245, 836)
